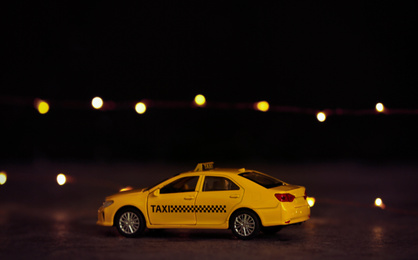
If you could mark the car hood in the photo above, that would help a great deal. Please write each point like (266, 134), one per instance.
(126, 193)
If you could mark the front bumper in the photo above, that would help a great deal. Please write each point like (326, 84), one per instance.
(104, 219)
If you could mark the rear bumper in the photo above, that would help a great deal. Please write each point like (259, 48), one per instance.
(297, 214)
(284, 215)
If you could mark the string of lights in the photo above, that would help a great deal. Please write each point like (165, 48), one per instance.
(43, 106)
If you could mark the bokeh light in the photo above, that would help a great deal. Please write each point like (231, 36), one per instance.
(140, 108)
(126, 189)
(3, 178)
(379, 203)
(262, 106)
(97, 102)
(311, 201)
(321, 116)
(61, 179)
(380, 107)
(200, 100)
(42, 106)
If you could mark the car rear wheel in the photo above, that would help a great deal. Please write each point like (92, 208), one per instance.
(245, 224)
(130, 222)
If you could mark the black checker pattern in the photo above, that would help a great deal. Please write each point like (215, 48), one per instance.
(198, 208)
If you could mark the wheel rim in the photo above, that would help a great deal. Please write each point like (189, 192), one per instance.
(129, 222)
(244, 225)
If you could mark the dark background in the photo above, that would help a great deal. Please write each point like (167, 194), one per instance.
(340, 56)
(347, 55)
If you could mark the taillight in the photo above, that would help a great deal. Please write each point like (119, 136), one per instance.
(305, 195)
(284, 197)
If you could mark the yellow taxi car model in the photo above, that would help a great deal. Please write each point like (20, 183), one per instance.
(244, 201)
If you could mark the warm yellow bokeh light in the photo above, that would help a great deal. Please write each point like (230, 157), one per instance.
(321, 116)
(61, 179)
(379, 203)
(97, 102)
(140, 108)
(3, 178)
(126, 189)
(200, 100)
(380, 107)
(311, 201)
(42, 106)
(262, 106)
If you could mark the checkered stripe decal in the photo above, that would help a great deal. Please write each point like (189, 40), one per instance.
(198, 208)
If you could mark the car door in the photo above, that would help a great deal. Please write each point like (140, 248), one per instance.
(174, 203)
(218, 197)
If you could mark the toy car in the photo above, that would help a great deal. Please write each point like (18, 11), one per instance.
(245, 201)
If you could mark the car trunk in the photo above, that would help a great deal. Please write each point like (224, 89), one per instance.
(295, 190)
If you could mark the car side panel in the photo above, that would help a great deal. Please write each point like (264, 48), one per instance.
(172, 208)
(214, 207)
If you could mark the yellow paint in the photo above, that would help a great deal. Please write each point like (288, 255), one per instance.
(208, 205)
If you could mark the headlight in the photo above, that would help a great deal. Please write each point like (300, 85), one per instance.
(107, 203)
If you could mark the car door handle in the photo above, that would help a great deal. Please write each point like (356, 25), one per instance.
(234, 196)
(189, 198)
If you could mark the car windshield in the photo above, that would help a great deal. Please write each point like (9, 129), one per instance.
(262, 179)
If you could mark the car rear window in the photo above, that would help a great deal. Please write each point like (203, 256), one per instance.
(262, 179)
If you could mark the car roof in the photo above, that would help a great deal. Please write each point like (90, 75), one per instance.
(216, 171)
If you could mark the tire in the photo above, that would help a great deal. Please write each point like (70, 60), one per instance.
(130, 222)
(245, 224)
(271, 230)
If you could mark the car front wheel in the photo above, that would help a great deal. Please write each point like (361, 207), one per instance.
(130, 222)
(245, 224)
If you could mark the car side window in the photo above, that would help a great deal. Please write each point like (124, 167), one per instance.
(185, 184)
(218, 183)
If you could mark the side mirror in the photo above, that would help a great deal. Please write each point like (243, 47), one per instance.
(156, 193)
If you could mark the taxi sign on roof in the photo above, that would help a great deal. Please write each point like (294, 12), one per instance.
(204, 166)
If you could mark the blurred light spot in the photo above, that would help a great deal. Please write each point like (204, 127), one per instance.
(97, 102)
(379, 203)
(60, 226)
(262, 106)
(61, 179)
(3, 178)
(140, 108)
(380, 107)
(126, 189)
(311, 201)
(321, 116)
(378, 236)
(41, 106)
(200, 100)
